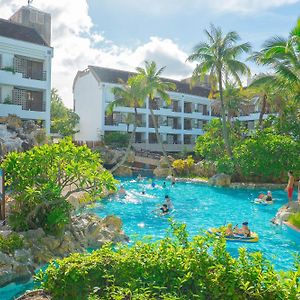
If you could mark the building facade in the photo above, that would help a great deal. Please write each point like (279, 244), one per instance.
(180, 123)
(25, 65)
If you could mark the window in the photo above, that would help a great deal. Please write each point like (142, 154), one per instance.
(37, 17)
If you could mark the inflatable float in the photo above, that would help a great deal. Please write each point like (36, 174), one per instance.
(237, 237)
(262, 202)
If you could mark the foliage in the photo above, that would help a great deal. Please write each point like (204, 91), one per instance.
(295, 219)
(63, 119)
(10, 243)
(156, 87)
(116, 139)
(265, 155)
(268, 155)
(184, 166)
(42, 179)
(175, 267)
(218, 58)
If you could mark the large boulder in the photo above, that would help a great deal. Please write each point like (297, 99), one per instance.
(205, 168)
(220, 180)
(123, 171)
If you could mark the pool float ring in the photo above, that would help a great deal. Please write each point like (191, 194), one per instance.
(237, 237)
(262, 202)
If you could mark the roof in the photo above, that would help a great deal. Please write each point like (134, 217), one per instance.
(20, 32)
(115, 76)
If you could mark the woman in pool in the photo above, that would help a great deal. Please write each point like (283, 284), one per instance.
(122, 190)
(168, 202)
(244, 230)
(164, 210)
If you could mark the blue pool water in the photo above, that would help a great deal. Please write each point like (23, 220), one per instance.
(200, 207)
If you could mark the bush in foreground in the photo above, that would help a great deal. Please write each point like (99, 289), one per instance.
(172, 268)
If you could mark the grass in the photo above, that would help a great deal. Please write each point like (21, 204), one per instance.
(295, 219)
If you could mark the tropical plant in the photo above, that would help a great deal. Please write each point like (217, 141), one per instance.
(156, 87)
(42, 179)
(117, 139)
(218, 58)
(10, 243)
(131, 95)
(175, 267)
(283, 57)
(63, 120)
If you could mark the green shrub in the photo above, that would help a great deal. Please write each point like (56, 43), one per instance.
(295, 219)
(175, 267)
(10, 243)
(116, 139)
(43, 178)
(184, 166)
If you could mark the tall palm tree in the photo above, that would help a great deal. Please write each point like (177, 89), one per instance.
(283, 57)
(131, 95)
(156, 87)
(218, 58)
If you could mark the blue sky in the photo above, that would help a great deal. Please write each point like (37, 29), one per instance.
(124, 33)
(130, 25)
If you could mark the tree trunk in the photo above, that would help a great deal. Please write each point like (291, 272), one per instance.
(159, 138)
(262, 112)
(131, 140)
(224, 125)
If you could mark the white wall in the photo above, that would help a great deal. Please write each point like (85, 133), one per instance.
(8, 49)
(88, 101)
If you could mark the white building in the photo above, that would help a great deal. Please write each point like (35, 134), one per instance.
(179, 123)
(25, 65)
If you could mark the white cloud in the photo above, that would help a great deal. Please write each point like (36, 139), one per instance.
(77, 45)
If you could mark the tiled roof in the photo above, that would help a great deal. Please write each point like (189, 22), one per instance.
(115, 76)
(19, 32)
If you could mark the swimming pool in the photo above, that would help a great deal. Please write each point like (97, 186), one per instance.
(200, 207)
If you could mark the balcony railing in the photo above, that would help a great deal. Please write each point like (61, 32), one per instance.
(29, 100)
(29, 69)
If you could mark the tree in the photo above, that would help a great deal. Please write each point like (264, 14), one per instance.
(42, 179)
(218, 58)
(63, 119)
(155, 86)
(131, 95)
(283, 57)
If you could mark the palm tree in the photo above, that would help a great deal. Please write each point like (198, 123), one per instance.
(156, 87)
(218, 58)
(131, 95)
(283, 57)
(234, 102)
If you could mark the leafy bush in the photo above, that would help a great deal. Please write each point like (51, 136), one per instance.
(268, 156)
(263, 156)
(295, 219)
(10, 243)
(172, 268)
(42, 179)
(184, 166)
(116, 139)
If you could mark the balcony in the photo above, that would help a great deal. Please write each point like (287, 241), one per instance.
(29, 69)
(29, 100)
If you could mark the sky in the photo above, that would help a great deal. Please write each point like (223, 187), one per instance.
(124, 33)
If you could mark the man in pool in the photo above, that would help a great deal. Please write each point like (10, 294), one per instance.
(164, 210)
(168, 202)
(244, 230)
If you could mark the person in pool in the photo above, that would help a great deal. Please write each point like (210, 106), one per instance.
(244, 230)
(164, 210)
(153, 184)
(269, 197)
(229, 230)
(164, 185)
(122, 190)
(168, 202)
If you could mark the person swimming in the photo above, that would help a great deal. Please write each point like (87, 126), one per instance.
(122, 190)
(168, 202)
(163, 210)
(153, 184)
(164, 185)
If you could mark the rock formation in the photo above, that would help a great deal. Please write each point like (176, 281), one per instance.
(85, 231)
(220, 180)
